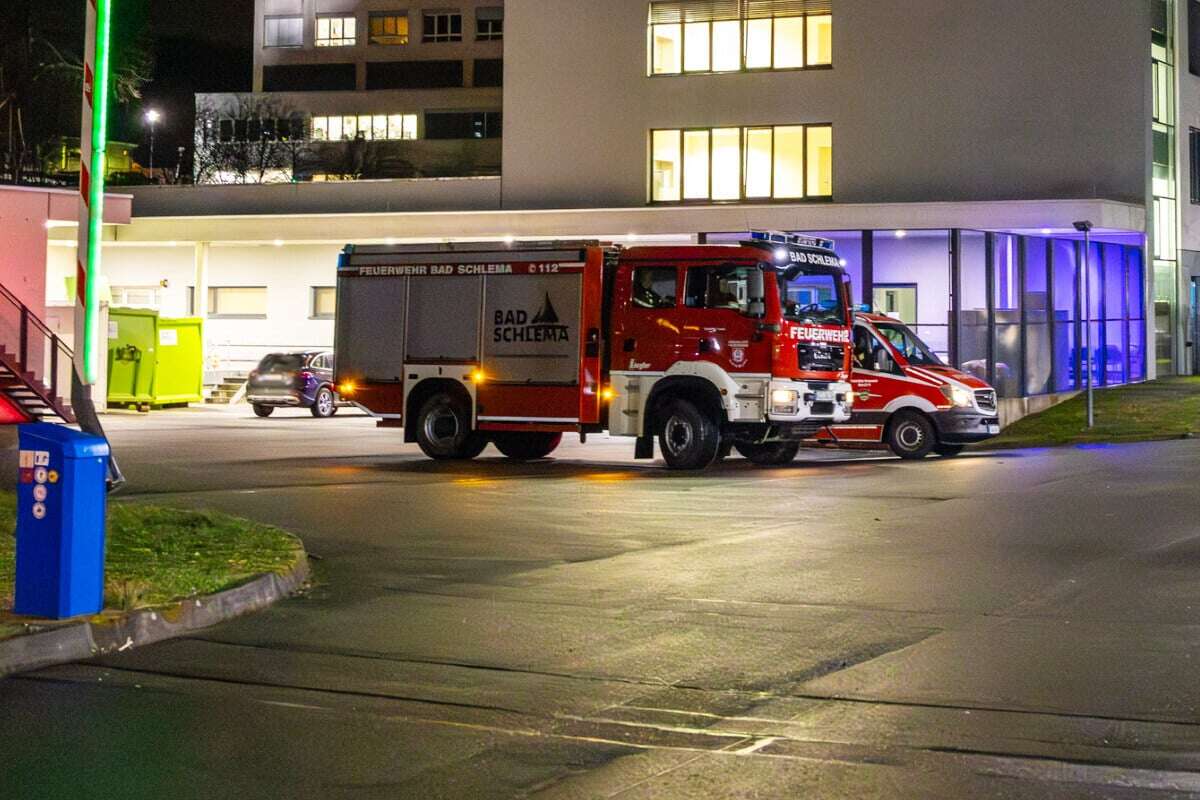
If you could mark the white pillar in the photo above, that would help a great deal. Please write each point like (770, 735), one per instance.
(200, 296)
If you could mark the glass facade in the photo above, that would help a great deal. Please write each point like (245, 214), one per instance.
(1165, 210)
(1009, 309)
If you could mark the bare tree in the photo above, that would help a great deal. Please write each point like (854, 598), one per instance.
(249, 138)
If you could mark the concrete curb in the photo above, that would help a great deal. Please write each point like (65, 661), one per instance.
(82, 640)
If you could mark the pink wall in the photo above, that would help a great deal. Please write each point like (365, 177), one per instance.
(24, 213)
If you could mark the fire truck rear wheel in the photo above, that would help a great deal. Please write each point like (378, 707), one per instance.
(526, 446)
(910, 435)
(444, 430)
(688, 439)
(771, 454)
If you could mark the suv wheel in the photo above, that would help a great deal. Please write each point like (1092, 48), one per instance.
(444, 430)
(526, 446)
(688, 438)
(771, 454)
(910, 435)
(323, 404)
(263, 411)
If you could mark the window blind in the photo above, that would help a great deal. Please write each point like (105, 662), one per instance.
(666, 12)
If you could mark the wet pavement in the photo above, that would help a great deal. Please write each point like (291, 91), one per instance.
(1015, 624)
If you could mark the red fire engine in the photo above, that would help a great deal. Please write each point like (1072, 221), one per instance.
(706, 347)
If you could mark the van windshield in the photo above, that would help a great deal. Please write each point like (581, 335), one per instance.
(812, 298)
(907, 344)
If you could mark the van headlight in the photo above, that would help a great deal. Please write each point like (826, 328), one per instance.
(784, 401)
(958, 396)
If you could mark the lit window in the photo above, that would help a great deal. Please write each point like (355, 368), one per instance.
(283, 31)
(789, 161)
(371, 126)
(726, 164)
(789, 43)
(324, 302)
(335, 31)
(666, 167)
(820, 162)
(696, 36)
(696, 160)
(390, 28)
(442, 26)
(320, 129)
(759, 155)
(489, 24)
(668, 49)
(783, 162)
(237, 301)
(758, 44)
(727, 46)
(820, 41)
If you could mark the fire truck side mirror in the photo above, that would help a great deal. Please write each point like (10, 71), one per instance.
(755, 291)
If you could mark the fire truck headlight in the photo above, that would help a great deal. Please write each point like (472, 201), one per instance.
(848, 399)
(784, 401)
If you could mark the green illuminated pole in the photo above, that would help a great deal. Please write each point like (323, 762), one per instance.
(92, 149)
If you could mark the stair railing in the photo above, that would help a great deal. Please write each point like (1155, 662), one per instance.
(40, 351)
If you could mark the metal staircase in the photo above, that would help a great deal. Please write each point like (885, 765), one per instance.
(35, 365)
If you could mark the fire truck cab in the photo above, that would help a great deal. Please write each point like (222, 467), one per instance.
(704, 347)
(907, 399)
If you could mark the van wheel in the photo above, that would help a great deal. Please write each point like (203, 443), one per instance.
(263, 411)
(526, 446)
(688, 438)
(948, 450)
(771, 454)
(444, 430)
(323, 405)
(910, 435)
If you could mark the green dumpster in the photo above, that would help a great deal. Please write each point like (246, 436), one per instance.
(153, 360)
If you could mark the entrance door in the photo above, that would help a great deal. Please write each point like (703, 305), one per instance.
(897, 300)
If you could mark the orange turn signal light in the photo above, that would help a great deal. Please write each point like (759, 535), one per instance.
(347, 388)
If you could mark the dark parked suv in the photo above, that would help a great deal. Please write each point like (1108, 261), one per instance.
(293, 380)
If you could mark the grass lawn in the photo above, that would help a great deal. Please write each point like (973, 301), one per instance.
(1163, 409)
(156, 554)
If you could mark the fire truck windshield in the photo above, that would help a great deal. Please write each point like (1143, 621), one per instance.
(907, 344)
(812, 297)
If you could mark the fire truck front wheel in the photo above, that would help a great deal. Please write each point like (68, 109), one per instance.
(910, 435)
(688, 438)
(526, 446)
(444, 430)
(771, 454)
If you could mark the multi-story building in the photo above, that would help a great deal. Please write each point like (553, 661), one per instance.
(948, 146)
(367, 89)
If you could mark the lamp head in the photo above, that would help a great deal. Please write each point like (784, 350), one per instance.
(1083, 226)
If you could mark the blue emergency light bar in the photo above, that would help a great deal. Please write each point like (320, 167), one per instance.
(779, 237)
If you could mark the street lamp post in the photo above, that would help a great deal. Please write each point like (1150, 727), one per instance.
(152, 117)
(1085, 227)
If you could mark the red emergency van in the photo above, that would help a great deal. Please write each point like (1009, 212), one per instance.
(704, 347)
(907, 399)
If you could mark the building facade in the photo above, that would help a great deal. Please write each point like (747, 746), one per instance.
(369, 89)
(948, 146)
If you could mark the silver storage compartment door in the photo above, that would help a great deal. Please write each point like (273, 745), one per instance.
(443, 318)
(370, 328)
(531, 332)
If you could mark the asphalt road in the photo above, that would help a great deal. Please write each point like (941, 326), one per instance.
(1004, 625)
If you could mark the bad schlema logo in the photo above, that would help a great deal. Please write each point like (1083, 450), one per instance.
(515, 325)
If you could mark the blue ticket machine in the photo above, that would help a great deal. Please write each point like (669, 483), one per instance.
(60, 522)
